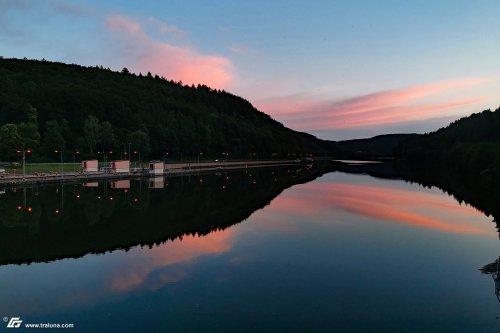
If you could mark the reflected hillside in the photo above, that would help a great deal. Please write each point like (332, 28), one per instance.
(483, 195)
(472, 188)
(67, 221)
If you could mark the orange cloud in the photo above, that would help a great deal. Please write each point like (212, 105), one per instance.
(145, 54)
(388, 107)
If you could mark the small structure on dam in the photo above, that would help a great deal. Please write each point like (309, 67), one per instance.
(156, 167)
(120, 166)
(90, 166)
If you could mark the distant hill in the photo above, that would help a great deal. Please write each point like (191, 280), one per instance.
(378, 146)
(469, 145)
(47, 106)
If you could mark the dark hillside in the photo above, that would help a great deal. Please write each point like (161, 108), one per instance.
(470, 145)
(378, 146)
(45, 106)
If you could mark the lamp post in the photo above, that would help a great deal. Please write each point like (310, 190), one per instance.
(98, 156)
(165, 159)
(76, 152)
(129, 152)
(103, 156)
(24, 151)
(60, 151)
(110, 153)
(199, 157)
(139, 153)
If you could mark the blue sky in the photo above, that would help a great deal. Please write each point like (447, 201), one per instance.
(337, 69)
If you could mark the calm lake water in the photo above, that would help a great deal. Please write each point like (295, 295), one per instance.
(274, 250)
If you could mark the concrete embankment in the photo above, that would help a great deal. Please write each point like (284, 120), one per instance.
(170, 170)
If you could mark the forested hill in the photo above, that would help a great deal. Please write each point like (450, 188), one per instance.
(470, 144)
(377, 146)
(47, 106)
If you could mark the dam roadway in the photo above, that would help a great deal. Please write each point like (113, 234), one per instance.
(171, 169)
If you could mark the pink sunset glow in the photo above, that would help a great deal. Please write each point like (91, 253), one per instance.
(179, 61)
(145, 54)
(170, 254)
(417, 209)
(392, 205)
(387, 107)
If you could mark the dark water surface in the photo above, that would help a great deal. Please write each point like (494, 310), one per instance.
(274, 250)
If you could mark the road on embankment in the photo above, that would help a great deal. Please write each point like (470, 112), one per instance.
(171, 169)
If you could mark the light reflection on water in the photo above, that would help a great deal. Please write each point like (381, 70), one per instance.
(342, 253)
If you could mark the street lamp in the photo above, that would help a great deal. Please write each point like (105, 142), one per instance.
(138, 152)
(124, 156)
(110, 157)
(104, 156)
(165, 159)
(24, 159)
(129, 157)
(199, 157)
(60, 151)
(76, 152)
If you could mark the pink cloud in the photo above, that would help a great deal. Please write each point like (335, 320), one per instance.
(144, 54)
(305, 112)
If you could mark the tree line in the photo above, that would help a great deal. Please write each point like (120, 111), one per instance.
(47, 106)
(470, 145)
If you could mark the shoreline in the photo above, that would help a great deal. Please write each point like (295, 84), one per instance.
(170, 170)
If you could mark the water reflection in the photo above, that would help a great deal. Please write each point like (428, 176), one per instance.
(388, 204)
(73, 220)
(320, 256)
(468, 188)
(160, 265)
(419, 209)
(493, 269)
(90, 280)
(157, 182)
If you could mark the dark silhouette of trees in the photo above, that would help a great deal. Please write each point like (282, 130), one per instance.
(92, 108)
(54, 139)
(91, 132)
(140, 142)
(470, 145)
(10, 141)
